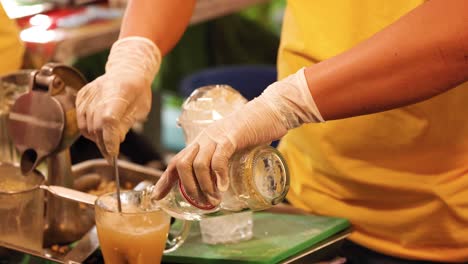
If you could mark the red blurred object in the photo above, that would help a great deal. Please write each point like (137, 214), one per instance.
(58, 13)
(54, 15)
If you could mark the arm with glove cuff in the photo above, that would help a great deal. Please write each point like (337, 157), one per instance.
(419, 56)
(109, 106)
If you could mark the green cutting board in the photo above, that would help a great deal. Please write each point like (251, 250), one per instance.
(276, 237)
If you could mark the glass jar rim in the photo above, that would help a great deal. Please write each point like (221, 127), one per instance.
(99, 204)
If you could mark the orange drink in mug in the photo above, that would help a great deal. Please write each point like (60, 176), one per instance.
(138, 234)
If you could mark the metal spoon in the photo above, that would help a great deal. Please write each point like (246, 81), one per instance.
(70, 194)
(83, 197)
(117, 183)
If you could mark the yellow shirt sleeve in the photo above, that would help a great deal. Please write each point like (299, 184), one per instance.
(11, 47)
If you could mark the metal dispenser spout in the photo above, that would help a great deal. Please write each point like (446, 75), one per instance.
(42, 124)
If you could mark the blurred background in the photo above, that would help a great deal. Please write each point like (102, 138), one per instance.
(218, 48)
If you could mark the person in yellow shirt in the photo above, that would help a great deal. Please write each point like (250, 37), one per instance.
(11, 47)
(398, 175)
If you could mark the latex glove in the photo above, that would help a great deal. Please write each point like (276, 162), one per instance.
(202, 167)
(109, 106)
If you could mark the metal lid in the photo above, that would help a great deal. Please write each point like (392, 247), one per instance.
(268, 181)
(36, 123)
(43, 120)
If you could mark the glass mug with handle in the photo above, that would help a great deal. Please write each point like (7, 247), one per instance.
(139, 234)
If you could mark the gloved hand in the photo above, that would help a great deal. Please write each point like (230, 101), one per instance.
(109, 106)
(202, 167)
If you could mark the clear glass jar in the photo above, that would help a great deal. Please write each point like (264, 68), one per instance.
(206, 105)
(259, 179)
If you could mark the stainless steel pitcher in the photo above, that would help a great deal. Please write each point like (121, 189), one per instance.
(42, 125)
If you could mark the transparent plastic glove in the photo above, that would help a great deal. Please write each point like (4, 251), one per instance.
(202, 167)
(109, 106)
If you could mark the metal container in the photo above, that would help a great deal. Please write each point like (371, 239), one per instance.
(21, 208)
(42, 125)
(42, 121)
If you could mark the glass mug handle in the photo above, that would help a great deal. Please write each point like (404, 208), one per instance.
(175, 241)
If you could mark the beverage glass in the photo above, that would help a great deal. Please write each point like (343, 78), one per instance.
(138, 234)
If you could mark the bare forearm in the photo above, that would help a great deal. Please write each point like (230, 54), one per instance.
(421, 55)
(162, 21)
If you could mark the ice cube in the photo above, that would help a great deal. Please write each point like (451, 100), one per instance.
(224, 229)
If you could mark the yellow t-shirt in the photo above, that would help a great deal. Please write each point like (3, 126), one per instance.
(398, 176)
(11, 48)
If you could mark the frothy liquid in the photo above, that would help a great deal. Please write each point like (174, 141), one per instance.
(132, 238)
(13, 185)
